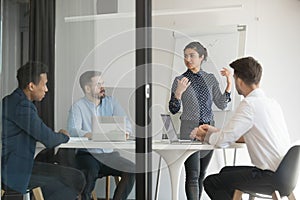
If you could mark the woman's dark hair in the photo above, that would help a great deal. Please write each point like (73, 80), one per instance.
(30, 72)
(201, 50)
(247, 69)
(86, 78)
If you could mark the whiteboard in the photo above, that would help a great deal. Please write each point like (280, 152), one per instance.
(222, 50)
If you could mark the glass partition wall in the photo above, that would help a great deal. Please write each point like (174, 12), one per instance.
(108, 36)
(175, 23)
(138, 48)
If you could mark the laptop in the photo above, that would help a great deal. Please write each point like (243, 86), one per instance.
(171, 132)
(108, 128)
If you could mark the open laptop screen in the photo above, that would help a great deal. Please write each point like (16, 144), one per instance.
(169, 127)
(109, 128)
(171, 132)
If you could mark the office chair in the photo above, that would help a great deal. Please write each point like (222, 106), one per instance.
(37, 193)
(66, 157)
(284, 181)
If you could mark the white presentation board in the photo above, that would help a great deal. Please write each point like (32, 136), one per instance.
(222, 49)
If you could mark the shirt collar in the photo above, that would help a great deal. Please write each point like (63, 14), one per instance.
(90, 103)
(256, 92)
(189, 72)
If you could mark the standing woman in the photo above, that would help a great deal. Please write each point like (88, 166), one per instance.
(196, 90)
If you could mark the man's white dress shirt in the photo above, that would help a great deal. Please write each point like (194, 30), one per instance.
(260, 121)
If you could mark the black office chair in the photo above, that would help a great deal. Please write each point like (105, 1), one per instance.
(284, 181)
(65, 167)
(66, 157)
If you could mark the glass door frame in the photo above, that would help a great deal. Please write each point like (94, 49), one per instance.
(143, 99)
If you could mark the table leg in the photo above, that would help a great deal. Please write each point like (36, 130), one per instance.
(157, 179)
(175, 160)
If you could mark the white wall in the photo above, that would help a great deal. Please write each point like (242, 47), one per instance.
(106, 45)
(272, 34)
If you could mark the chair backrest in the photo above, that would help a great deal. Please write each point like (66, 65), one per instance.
(66, 157)
(288, 171)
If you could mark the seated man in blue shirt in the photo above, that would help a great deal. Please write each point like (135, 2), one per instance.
(96, 163)
(21, 129)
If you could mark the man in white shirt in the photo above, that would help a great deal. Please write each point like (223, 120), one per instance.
(259, 121)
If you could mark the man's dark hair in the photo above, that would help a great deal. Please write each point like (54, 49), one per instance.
(30, 72)
(247, 69)
(86, 78)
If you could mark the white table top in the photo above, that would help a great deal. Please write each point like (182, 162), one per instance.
(156, 145)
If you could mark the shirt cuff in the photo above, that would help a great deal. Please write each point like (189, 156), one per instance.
(214, 139)
(228, 96)
(77, 133)
(174, 104)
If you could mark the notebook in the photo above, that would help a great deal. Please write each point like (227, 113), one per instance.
(109, 128)
(171, 132)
